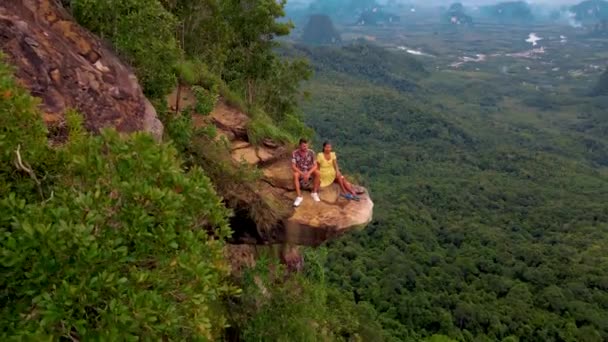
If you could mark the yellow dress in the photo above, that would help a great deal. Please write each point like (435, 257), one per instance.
(326, 168)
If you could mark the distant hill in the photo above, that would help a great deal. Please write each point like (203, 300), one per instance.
(600, 29)
(342, 10)
(456, 15)
(601, 88)
(377, 16)
(590, 12)
(383, 67)
(512, 11)
(320, 30)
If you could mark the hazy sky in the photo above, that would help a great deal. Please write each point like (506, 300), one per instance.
(470, 2)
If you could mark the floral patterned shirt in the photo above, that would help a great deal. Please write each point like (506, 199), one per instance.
(303, 162)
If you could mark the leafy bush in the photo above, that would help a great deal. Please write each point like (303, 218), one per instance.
(179, 128)
(262, 127)
(188, 71)
(124, 246)
(205, 99)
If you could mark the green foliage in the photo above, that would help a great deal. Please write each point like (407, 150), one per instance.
(179, 129)
(205, 100)
(189, 71)
(204, 32)
(142, 31)
(278, 95)
(263, 127)
(21, 130)
(277, 307)
(252, 58)
(366, 61)
(125, 245)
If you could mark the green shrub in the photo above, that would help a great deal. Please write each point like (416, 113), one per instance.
(205, 99)
(179, 129)
(188, 71)
(125, 245)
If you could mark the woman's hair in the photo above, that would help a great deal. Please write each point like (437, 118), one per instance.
(326, 143)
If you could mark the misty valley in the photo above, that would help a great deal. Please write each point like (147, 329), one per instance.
(482, 131)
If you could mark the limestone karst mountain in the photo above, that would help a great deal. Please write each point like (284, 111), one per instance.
(320, 30)
(456, 15)
(590, 12)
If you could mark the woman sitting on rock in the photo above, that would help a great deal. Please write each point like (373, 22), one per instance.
(330, 173)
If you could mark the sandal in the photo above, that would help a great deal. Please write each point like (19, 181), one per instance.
(347, 196)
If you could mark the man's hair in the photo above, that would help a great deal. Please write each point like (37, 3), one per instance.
(303, 141)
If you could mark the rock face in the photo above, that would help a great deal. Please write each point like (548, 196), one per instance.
(69, 68)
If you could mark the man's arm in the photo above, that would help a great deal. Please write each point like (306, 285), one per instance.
(314, 168)
(315, 165)
(294, 166)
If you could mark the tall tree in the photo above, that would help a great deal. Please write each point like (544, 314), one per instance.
(202, 31)
(256, 27)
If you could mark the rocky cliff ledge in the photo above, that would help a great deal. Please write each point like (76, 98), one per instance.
(313, 222)
(69, 68)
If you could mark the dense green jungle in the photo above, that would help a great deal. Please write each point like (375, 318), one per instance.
(489, 174)
(484, 147)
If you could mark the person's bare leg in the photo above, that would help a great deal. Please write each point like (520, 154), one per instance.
(340, 181)
(349, 187)
(296, 183)
(317, 181)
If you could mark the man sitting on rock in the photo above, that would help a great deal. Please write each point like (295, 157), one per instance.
(304, 166)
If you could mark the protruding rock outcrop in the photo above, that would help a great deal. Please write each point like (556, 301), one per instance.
(69, 68)
(313, 222)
